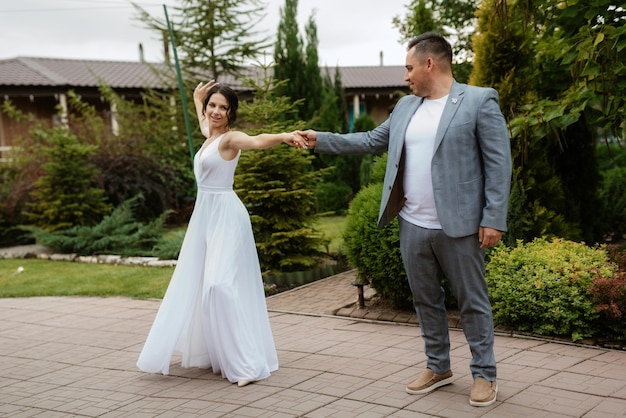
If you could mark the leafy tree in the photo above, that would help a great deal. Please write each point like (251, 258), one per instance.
(419, 19)
(580, 55)
(146, 156)
(66, 193)
(503, 60)
(453, 18)
(17, 175)
(277, 185)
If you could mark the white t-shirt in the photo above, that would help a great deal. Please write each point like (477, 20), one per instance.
(419, 144)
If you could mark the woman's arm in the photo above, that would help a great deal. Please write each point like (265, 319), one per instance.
(234, 141)
(237, 140)
(199, 94)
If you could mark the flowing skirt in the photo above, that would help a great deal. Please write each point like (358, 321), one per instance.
(214, 309)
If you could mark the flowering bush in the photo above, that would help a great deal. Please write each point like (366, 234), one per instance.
(609, 295)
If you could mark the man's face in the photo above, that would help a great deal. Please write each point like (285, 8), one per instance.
(416, 73)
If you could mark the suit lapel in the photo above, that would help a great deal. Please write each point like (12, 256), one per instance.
(452, 105)
(403, 125)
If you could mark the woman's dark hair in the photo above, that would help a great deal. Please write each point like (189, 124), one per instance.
(231, 98)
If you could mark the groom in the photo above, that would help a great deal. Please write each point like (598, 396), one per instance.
(448, 179)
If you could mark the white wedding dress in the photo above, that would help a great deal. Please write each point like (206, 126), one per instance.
(214, 309)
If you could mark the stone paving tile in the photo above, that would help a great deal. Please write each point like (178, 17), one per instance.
(288, 377)
(523, 374)
(559, 401)
(76, 357)
(620, 394)
(446, 403)
(293, 402)
(332, 384)
(608, 408)
(521, 411)
(544, 360)
(383, 392)
(594, 385)
(612, 370)
(324, 296)
(348, 408)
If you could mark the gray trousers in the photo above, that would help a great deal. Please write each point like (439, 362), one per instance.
(428, 256)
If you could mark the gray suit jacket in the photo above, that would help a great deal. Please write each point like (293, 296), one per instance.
(471, 164)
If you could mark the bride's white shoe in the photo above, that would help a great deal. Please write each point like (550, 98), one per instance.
(243, 383)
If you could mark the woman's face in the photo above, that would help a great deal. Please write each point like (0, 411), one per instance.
(216, 111)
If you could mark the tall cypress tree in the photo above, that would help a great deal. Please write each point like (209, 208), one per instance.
(288, 54)
(313, 87)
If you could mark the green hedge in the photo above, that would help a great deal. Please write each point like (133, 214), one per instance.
(374, 251)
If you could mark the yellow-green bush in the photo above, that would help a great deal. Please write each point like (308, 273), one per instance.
(544, 286)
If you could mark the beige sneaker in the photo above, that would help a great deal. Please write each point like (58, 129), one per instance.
(483, 392)
(428, 381)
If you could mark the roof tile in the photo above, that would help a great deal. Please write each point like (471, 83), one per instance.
(33, 71)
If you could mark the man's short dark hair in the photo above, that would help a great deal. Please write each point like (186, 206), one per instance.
(432, 43)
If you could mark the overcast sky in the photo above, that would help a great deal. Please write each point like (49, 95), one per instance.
(350, 32)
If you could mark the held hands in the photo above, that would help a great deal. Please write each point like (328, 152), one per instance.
(302, 139)
(296, 140)
(309, 136)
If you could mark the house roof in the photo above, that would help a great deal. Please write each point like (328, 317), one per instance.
(49, 72)
(31, 71)
(373, 77)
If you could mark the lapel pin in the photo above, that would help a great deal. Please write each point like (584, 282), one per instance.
(454, 100)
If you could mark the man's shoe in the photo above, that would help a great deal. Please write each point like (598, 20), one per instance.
(483, 392)
(428, 381)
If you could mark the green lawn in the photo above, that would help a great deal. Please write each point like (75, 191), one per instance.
(331, 228)
(63, 278)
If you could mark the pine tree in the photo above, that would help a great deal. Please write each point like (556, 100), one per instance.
(65, 194)
(214, 36)
(277, 184)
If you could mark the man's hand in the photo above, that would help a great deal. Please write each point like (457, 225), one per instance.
(488, 237)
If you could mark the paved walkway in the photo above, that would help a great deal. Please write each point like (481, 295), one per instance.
(75, 357)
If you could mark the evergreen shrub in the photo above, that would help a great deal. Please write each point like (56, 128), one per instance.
(374, 251)
(67, 193)
(117, 233)
(332, 197)
(544, 286)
